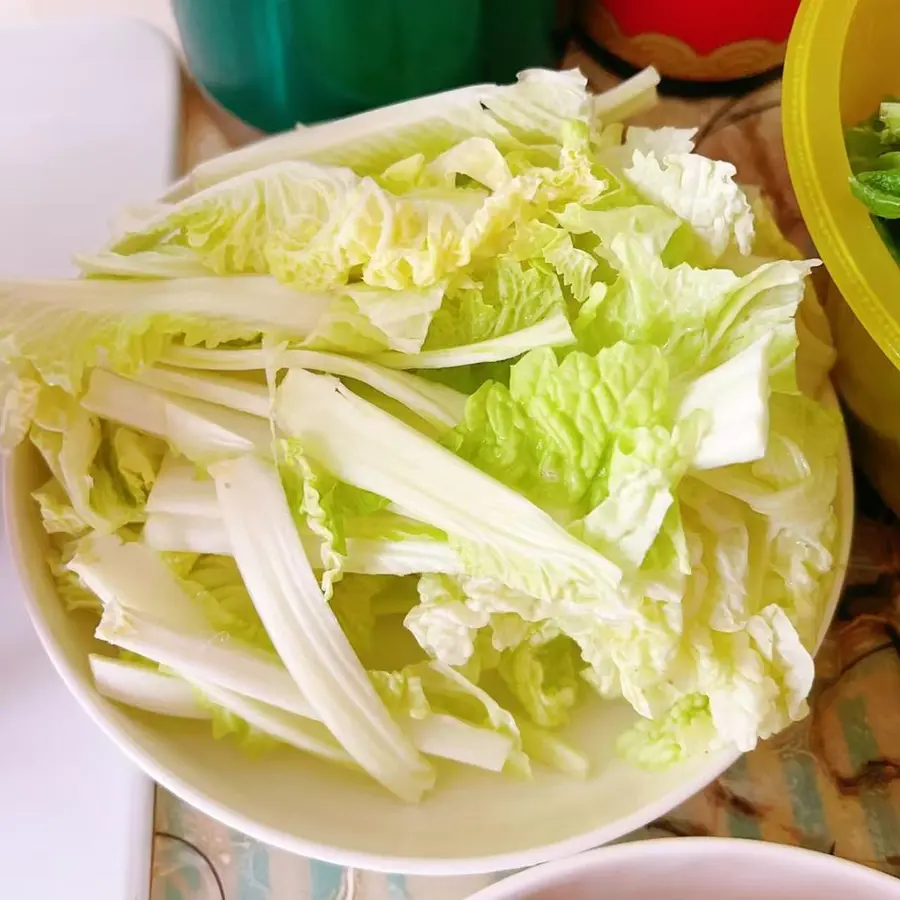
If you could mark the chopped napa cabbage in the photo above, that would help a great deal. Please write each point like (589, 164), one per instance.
(183, 516)
(304, 630)
(496, 531)
(145, 687)
(541, 103)
(395, 437)
(700, 191)
(157, 618)
(199, 430)
(125, 325)
(437, 404)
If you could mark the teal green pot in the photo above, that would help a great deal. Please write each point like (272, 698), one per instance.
(274, 63)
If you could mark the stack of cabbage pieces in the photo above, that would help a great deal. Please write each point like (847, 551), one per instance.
(397, 437)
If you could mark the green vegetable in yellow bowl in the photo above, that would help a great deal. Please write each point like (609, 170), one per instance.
(874, 151)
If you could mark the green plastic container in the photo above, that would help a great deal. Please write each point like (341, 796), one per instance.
(274, 63)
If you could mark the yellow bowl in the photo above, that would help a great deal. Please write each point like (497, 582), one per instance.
(842, 60)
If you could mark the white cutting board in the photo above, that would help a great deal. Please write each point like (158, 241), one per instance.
(88, 124)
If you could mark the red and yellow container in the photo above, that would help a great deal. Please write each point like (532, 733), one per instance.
(692, 40)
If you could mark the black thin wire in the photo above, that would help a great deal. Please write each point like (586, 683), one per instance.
(709, 125)
(723, 119)
(750, 113)
(186, 843)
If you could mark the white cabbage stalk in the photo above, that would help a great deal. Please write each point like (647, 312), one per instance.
(179, 533)
(199, 430)
(295, 731)
(244, 396)
(145, 688)
(304, 630)
(439, 405)
(158, 620)
(182, 489)
(146, 611)
(183, 516)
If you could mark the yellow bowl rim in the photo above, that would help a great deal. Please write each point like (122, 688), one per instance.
(853, 251)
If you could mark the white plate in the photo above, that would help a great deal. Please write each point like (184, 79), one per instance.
(697, 869)
(474, 822)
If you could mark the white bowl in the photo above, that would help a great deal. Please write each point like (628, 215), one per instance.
(474, 822)
(697, 869)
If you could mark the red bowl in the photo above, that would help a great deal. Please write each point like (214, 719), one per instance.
(693, 40)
